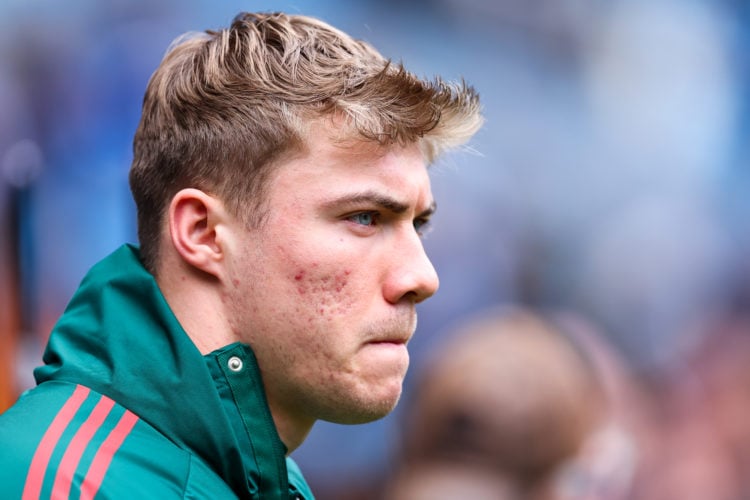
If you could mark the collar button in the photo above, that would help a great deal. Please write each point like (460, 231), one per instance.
(235, 364)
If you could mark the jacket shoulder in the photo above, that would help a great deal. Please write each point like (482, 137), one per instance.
(63, 439)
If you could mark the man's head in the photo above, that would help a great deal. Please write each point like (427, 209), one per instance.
(225, 106)
(280, 175)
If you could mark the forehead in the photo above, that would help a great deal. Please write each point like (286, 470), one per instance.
(332, 164)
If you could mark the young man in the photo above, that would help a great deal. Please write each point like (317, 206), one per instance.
(280, 176)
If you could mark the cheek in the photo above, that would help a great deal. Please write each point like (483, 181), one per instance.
(323, 294)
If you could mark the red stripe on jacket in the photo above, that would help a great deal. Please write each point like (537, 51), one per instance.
(33, 486)
(103, 457)
(72, 456)
(69, 463)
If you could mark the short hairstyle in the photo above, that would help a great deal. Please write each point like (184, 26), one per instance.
(223, 106)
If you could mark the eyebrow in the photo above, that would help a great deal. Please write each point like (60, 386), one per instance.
(382, 200)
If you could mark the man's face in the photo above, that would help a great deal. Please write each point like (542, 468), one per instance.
(325, 290)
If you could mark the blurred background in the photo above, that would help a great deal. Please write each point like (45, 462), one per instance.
(608, 193)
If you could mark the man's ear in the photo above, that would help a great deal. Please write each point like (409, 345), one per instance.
(193, 220)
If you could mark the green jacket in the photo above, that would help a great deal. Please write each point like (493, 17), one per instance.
(127, 407)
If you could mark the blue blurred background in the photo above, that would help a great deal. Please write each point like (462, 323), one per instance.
(610, 178)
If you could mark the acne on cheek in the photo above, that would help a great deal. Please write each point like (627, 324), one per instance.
(324, 293)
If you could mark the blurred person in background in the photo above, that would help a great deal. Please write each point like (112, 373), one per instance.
(702, 449)
(280, 176)
(513, 407)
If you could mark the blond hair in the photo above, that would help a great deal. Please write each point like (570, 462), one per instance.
(225, 105)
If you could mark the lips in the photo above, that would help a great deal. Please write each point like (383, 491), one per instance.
(389, 341)
(399, 336)
(398, 331)
(396, 339)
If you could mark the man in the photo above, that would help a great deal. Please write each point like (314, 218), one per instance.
(280, 178)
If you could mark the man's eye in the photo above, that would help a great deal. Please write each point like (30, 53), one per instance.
(364, 218)
(422, 226)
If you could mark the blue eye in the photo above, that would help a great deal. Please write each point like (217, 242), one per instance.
(422, 226)
(364, 218)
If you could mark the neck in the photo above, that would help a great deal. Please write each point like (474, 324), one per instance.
(291, 431)
(193, 298)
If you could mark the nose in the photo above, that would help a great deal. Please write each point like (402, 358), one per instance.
(412, 276)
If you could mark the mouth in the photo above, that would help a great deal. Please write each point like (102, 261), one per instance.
(390, 342)
(397, 333)
(388, 353)
(392, 338)
(394, 342)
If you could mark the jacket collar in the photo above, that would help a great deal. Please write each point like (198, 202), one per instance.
(119, 337)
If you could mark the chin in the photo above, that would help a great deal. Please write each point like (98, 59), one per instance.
(357, 417)
(366, 409)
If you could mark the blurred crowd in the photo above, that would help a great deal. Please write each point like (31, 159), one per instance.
(591, 338)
